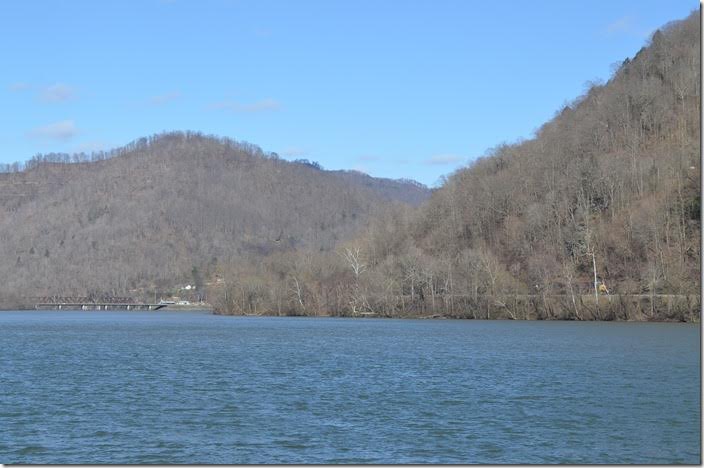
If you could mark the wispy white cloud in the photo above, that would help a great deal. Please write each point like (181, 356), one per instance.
(262, 32)
(443, 159)
(162, 99)
(259, 106)
(368, 158)
(61, 131)
(58, 92)
(620, 25)
(90, 146)
(18, 86)
(219, 3)
(294, 152)
(628, 26)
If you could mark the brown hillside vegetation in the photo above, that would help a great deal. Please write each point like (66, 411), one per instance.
(169, 210)
(610, 187)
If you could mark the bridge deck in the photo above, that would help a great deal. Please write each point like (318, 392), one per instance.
(97, 306)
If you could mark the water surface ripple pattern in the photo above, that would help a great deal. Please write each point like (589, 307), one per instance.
(161, 387)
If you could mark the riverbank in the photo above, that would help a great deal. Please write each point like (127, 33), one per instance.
(626, 308)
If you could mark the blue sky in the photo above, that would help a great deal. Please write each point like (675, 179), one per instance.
(409, 89)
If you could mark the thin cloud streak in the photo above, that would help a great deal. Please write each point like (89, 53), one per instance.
(92, 146)
(262, 32)
(628, 26)
(58, 92)
(294, 152)
(162, 99)
(58, 131)
(368, 158)
(17, 87)
(264, 105)
(443, 159)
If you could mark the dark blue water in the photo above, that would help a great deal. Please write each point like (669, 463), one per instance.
(159, 387)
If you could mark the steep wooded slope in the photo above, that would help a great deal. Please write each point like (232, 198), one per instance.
(614, 174)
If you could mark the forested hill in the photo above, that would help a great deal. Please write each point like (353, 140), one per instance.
(162, 210)
(610, 186)
(616, 173)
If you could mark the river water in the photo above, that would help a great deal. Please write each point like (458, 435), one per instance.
(190, 387)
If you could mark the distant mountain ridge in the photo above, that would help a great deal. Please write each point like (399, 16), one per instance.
(401, 190)
(165, 208)
(18, 175)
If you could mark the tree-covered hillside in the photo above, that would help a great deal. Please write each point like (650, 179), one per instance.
(610, 187)
(158, 212)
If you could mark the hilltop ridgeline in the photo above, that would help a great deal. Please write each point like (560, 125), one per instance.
(171, 209)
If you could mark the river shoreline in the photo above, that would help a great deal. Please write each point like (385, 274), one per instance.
(606, 308)
(613, 308)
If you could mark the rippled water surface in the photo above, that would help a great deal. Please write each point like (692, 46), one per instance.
(161, 387)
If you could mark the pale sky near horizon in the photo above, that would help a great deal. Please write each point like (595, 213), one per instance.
(411, 89)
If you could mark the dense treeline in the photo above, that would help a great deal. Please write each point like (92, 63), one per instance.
(167, 211)
(609, 188)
